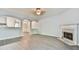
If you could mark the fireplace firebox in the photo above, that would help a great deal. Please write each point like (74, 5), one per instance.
(68, 35)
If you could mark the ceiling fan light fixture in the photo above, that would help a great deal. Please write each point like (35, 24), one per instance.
(38, 11)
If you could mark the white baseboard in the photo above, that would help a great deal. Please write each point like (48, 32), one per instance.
(49, 35)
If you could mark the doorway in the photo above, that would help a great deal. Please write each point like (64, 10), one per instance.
(26, 26)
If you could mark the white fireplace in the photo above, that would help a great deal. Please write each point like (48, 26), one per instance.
(70, 34)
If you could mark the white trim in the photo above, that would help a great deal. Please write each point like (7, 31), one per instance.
(10, 37)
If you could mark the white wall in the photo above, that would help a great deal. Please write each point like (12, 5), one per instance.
(49, 26)
(35, 25)
(70, 17)
(52, 25)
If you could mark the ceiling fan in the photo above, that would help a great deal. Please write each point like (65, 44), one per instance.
(38, 11)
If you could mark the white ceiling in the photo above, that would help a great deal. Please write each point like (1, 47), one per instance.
(27, 12)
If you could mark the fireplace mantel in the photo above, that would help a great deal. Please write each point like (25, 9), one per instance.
(74, 30)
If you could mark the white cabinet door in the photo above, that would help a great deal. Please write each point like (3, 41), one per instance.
(11, 22)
